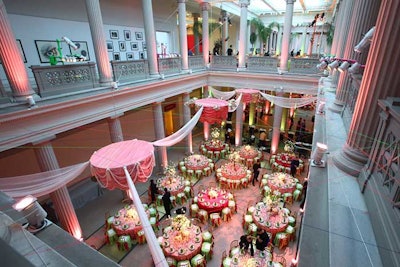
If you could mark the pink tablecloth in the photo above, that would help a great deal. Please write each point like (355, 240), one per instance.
(196, 162)
(248, 152)
(248, 95)
(175, 185)
(284, 159)
(215, 110)
(127, 221)
(271, 219)
(214, 145)
(213, 199)
(233, 171)
(182, 249)
(283, 182)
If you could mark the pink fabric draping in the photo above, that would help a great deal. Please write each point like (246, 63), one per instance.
(215, 110)
(42, 183)
(248, 95)
(288, 102)
(107, 163)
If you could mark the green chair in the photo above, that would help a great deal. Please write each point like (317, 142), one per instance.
(292, 221)
(153, 223)
(110, 220)
(111, 236)
(184, 263)
(297, 195)
(207, 236)
(171, 262)
(206, 250)
(124, 243)
(291, 231)
(198, 261)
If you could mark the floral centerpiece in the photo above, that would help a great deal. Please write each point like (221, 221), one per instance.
(181, 224)
(212, 193)
(131, 214)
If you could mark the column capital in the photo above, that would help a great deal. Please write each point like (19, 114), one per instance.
(116, 116)
(205, 6)
(181, 1)
(224, 14)
(244, 3)
(290, 2)
(43, 140)
(196, 15)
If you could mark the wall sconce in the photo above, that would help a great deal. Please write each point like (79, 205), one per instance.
(365, 41)
(356, 68)
(344, 66)
(316, 159)
(33, 212)
(333, 65)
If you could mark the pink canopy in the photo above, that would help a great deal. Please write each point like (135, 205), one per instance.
(215, 110)
(248, 95)
(107, 163)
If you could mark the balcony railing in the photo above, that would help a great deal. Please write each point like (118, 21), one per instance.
(131, 70)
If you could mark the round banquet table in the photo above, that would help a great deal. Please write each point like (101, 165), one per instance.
(180, 247)
(127, 221)
(196, 162)
(174, 184)
(283, 182)
(271, 218)
(213, 199)
(245, 259)
(281, 161)
(234, 172)
(249, 154)
(215, 145)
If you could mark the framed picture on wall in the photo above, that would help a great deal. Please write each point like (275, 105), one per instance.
(21, 50)
(46, 49)
(122, 46)
(134, 46)
(129, 56)
(82, 49)
(116, 56)
(144, 46)
(127, 35)
(139, 35)
(110, 46)
(114, 34)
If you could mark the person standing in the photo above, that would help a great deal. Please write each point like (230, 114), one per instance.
(153, 190)
(229, 52)
(256, 172)
(167, 202)
(262, 239)
(294, 164)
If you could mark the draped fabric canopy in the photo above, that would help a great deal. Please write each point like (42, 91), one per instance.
(222, 95)
(215, 110)
(287, 102)
(248, 95)
(107, 164)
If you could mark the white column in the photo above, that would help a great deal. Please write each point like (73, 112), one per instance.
(196, 36)
(276, 126)
(62, 202)
(99, 41)
(160, 134)
(206, 92)
(12, 61)
(150, 36)
(287, 28)
(243, 34)
(303, 41)
(206, 130)
(186, 119)
(114, 125)
(183, 34)
(338, 24)
(279, 41)
(380, 80)
(224, 16)
(205, 36)
(239, 124)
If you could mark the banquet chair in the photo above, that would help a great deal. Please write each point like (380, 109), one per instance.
(184, 263)
(198, 261)
(292, 221)
(188, 191)
(198, 173)
(226, 214)
(181, 198)
(247, 219)
(109, 220)
(207, 250)
(141, 238)
(190, 174)
(233, 206)
(281, 240)
(288, 198)
(207, 236)
(183, 171)
(171, 261)
(215, 219)
(193, 211)
(291, 232)
(217, 155)
(234, 248)
(223, 182)
(111, 236)
(252, 229)
(203, 215)
(297, 195)
(181, 164)
(124, 242)
(225, 260)
(207, 171)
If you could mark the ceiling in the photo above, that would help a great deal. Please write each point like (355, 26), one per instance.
(259, 8)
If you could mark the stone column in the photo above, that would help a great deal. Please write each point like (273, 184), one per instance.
(114, 125)
(13, 63)
(206, 130)
(160, 134)
(276, 126)
(338, 23)
(279, 41)
(205, 36)
(303, 41)
(183, 34)
(243, 34)
(99, 41)
(379, 81)
(186, 119)
(363, 18)
(62, 202)
(252, 111)
(150, 36)
(206, 92)
(287, 28)
(224, 17)
(239, 124)
(196, 36)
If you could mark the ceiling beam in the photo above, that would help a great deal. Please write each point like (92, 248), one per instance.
(271, 7)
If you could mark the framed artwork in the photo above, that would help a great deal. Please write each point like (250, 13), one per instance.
(110, 46)
(134, 46)
(139, 35)
(144, 46)
(46, 49)
(129, 56)
(116, 56)
(122, 46)
(127, 35)
(21, 50)
(82, 49)
(114, 34)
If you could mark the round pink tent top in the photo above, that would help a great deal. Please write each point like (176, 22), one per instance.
(215, 110)
(248, 95)
(107, 163)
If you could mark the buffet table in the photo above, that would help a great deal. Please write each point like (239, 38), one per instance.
(213, 199)
(181, 241)
(282, 182)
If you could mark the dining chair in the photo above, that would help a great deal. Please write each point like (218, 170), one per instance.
(281, 260)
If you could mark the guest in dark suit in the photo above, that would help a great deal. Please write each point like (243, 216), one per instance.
(262, 239)
(167, 202)
(256, 172)
(293, 165)
(153, 190)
